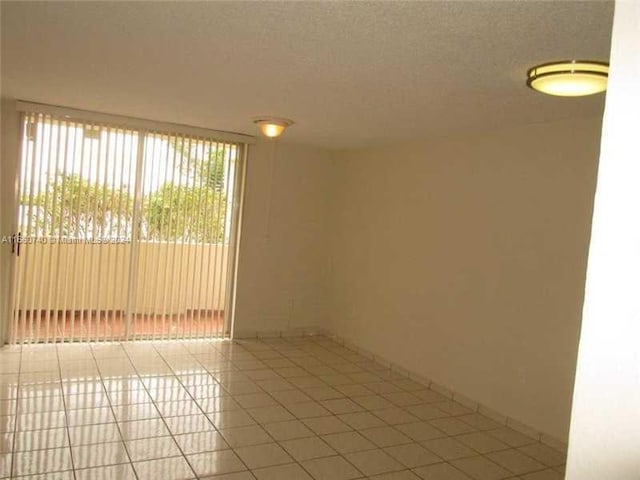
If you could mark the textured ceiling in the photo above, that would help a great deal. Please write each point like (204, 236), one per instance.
(349, 73)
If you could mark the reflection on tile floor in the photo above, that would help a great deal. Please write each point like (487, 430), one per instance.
(299, 408)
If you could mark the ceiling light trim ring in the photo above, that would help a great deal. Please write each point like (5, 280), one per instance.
(534, 77)
(568, 62)
(285, 122)
(579, 73)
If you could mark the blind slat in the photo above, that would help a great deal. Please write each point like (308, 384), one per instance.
(135, 229)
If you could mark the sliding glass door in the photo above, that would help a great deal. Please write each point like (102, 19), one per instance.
(187, 192)
(123, 232)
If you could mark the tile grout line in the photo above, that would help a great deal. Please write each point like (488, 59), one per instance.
(104, 388)
(504, 420)
(453, 436)
(400, 407)
(294, 461)
(312, 351)
(377, 447)
(203, 412)
(316, 435)
(15, 425)
(155, 404)
(365, 409)
(66, 419)
(257, 423)
(338, 454)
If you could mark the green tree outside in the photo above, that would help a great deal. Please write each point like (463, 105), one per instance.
(185, 213)
(193, 213)
(71, 206)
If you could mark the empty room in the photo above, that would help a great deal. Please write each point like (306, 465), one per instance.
(320, 240)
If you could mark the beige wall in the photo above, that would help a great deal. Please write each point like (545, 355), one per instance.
(282, 277)
(464, 261)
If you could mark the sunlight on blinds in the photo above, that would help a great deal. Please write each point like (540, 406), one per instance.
(123, 233)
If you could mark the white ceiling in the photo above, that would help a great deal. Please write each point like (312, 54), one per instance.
(349, 73)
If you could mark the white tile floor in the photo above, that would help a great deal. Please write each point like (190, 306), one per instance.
(274, 409)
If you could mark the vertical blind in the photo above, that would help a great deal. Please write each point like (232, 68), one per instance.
(124, 232)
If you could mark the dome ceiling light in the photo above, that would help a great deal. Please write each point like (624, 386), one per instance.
(272, 127)
(569, 78)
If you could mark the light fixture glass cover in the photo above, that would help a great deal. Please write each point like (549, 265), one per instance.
(272, 127)
(569, 78)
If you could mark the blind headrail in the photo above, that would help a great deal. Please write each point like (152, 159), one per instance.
(133, 123)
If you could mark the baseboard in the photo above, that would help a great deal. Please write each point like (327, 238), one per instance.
(471, 404)
(498, 417)
(291, 332)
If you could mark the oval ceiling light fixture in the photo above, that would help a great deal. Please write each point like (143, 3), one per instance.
(569, 78)
(272, 127)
